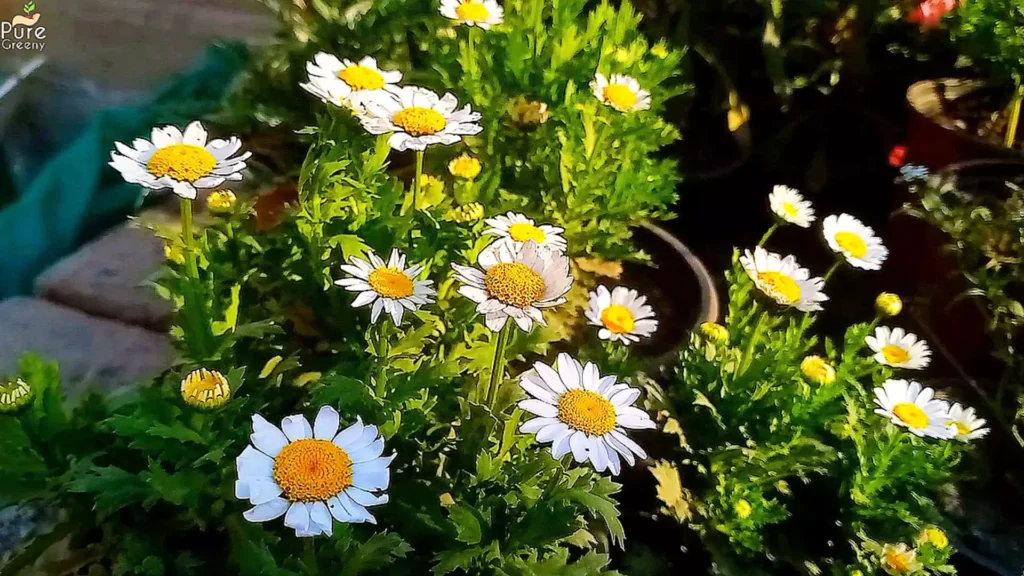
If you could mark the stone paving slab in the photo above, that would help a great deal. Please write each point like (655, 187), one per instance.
(92, 352)
(107, 278)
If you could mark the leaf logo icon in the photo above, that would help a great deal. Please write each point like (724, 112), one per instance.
(30, 7)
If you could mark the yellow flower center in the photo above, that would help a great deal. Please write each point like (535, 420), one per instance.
(743, 509)
(521, 232)
(514, 283)
(936, 536)
(894, 354)
(818, 370)
(391, 283)
(715, 332)
(312, 470)
(790, 209)
(205, 389)
(618, 319)
(472, 11)
(419, 121)
(465, 166)
(961, 428)
(361, 78)
(911, 414)
(778, 285)
(852, 244)
(586, 411)
(898, 562)
(620, 96)
(182, 162)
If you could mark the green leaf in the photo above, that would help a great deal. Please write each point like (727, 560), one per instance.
(604, 507)
(230, 314)
(380, 551)
(467, 526)
(112, 488)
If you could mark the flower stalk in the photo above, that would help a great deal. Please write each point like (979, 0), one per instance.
(195, 307)
(1011, 128)
(417, 178)
(498, 365)
(768, 234)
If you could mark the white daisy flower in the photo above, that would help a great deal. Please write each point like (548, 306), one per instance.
(914, 407)
(856, 242)
(418, 118)
(623, 314)
(899, 349)
(181, 162)
(482, 13)
(516, 282)
(342, 82)
(518, 228)
(390, 287)
(783, 280)
(311, 474)
(620, 92)
(790, 206)
(580, 411)
(965, 423)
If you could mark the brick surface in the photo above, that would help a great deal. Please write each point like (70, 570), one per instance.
(92, 352)
(107, 278)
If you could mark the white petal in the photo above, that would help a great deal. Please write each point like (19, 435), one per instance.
(325, 427)
(268, 511)
(297, 517)
(296, 427)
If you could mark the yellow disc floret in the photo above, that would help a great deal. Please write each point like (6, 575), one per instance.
(181, 162)
(852, 244)
(911, 414)
(521, 232)
(586, 411)
(361, 78)
(312, 470)
(419, 121)
(618, 319)
(620, 96)
(888, 304)
(391, 283)
(817, 369)
(465, 166)
(894, 354)
(790, 209)
(205, 389)
(514, 283)
(779, 285)
(472, 11)
(468, 213)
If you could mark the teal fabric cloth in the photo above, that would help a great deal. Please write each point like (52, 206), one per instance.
(77, 196)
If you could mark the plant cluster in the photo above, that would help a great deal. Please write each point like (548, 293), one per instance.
(797, 450)
(364, 356)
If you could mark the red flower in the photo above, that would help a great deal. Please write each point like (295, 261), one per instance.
(930, 12)
(898, 156)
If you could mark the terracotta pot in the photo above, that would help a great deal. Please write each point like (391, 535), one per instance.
(933, 140)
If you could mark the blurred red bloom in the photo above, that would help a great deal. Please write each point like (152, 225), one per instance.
(930, 12)
(898, 156)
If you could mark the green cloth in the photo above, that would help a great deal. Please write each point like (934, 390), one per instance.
(77, 195)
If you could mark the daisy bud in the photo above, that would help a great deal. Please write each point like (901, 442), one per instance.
(660, 50)
(205, 389)
(934, 536)
(468, 213)
(174, 253)
(221, 201)
(888, 304)
(817, 370)
(14, 395)
(465, 166)
(743, 508)
(714, 332)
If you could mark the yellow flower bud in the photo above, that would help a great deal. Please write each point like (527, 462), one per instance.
(660, 50)
(714, 332)
(205, 389)
(888, 304)
(174, 253)
(934, 536)
(743, 508)
(818, 370)
(465, 166)
(447, 500)
(14, 395)
(468, 213)
(221, 201)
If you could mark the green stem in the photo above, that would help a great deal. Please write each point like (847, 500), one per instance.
(1011, 128)
(383, 350)
(748, 354)
(598, 138)
(498, 365)
(768, 234)
(310, 557)
(538, 25)
(471, 51)
(832, 270)
(195, 306)
(419, 175)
